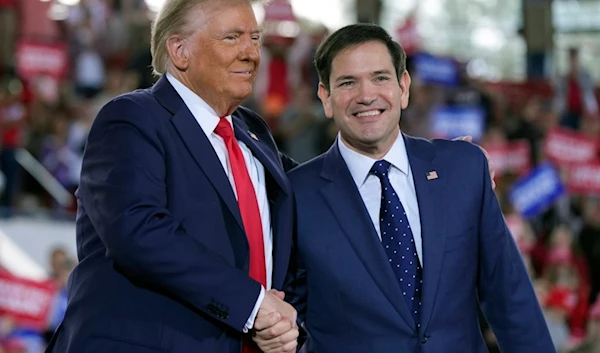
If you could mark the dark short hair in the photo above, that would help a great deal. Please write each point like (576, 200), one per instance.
(573, 51)
(352, 36)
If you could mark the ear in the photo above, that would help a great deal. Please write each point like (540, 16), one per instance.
(405, 89)
(325, 97)
(178, 52)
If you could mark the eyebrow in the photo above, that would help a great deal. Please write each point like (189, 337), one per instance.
(345, 78)
(373, 74)
(381, 72)
(239, 30)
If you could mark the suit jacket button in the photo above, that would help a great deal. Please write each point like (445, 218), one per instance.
(424, 339)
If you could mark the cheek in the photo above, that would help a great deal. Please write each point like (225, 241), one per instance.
(341, 104)
(216, 59)
(395, 99)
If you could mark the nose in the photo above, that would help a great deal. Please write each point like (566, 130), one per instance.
(366, 94)
(249, 50)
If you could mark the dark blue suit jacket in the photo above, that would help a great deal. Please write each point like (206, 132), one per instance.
(345, 291)
(163, 255)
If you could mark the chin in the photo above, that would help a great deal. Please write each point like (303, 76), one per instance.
(241, 94)
(369, 135)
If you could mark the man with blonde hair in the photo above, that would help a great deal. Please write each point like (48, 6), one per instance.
(185, 213)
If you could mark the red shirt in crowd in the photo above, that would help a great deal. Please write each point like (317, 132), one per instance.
(574, 96)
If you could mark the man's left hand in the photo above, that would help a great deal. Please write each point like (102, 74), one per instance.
(487, 155)
(274, 333)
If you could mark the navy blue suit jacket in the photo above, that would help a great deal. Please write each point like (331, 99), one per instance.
(346, 293)
(163, 255)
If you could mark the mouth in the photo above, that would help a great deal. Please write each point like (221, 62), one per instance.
(369, 113)
(243, 72)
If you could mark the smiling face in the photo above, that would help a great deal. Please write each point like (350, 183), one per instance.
(366, 98)
(220, 59)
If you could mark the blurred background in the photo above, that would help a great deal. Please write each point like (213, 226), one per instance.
(520, 76)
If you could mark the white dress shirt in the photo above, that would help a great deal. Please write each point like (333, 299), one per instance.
(208, 119)
(369, 185)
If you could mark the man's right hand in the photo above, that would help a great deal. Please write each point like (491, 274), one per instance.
(275, 326)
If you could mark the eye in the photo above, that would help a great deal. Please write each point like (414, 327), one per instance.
(381, 78)
(346, 84)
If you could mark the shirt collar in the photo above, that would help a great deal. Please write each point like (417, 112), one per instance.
(204, 114)
(360, 165)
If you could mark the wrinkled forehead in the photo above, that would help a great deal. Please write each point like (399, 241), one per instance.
(224, 16)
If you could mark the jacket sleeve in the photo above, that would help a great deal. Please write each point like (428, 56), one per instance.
(123, 190)
(506, 294)
(295, 286)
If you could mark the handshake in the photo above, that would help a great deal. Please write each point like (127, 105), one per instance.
(275, 327)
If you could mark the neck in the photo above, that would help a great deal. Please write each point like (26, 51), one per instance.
(221, 106)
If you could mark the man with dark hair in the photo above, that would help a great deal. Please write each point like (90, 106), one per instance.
(400, 239)
(575, 98)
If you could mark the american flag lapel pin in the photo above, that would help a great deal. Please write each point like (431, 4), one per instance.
(253, 135)
(432, 175)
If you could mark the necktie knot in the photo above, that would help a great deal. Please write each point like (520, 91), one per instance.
(381, 168)
(224, 129)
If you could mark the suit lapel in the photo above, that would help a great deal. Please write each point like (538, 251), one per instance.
(430, 197)
(267, 157)
(197, 143)
(345, 202)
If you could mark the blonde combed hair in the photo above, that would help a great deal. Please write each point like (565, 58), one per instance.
(173, 19)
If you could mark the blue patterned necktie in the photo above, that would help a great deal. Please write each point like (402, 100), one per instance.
(397, 240)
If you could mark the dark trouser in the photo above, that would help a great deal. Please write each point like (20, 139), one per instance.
(571, 120)
(12, 170)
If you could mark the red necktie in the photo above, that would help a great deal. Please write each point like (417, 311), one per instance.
(248, 208)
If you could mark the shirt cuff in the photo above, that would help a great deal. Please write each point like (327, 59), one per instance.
(250, 323)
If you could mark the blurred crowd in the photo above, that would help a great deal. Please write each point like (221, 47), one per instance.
(50, 120)
(18, 335)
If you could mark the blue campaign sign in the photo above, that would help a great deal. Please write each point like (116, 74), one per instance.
(436, 70)
(452, 122)
(537, 191)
